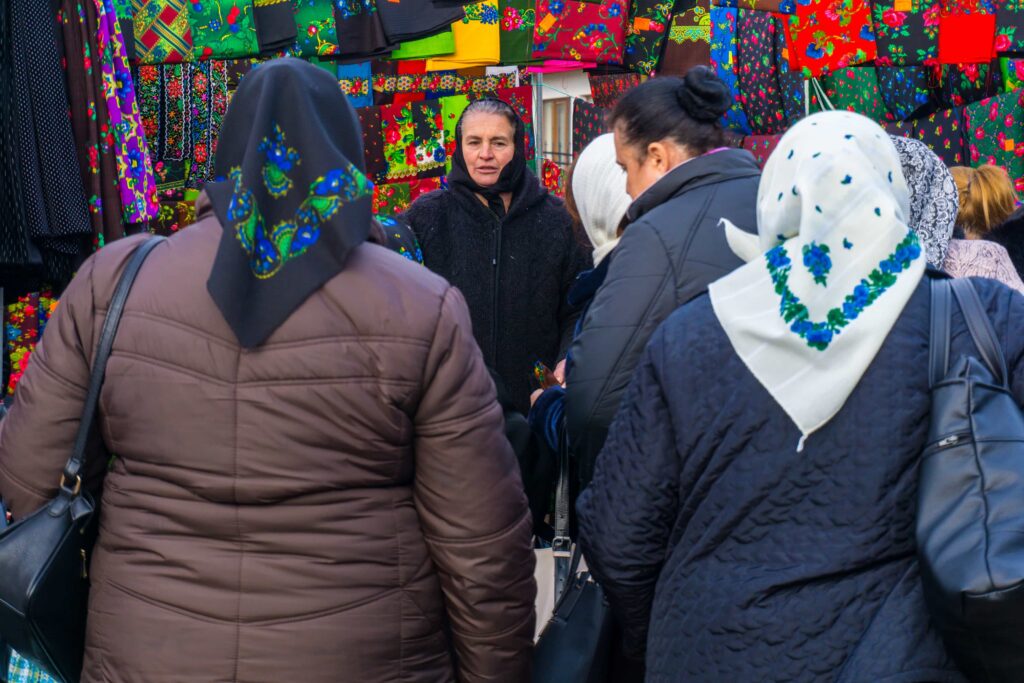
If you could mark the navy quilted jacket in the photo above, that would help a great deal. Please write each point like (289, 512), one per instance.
(730, 556)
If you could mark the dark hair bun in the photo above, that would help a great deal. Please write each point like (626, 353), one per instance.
(703, 95)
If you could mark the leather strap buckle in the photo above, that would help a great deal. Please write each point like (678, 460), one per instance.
(78, 485)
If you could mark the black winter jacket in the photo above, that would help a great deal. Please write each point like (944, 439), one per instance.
(515, 274)
(749, 561)
(672, 250)
(1011, 235)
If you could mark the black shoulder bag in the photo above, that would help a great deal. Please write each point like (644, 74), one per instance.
(970, 515)
(44, 589)
(575, 644)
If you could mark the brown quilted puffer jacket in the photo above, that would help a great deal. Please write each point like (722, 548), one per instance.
(339, 504)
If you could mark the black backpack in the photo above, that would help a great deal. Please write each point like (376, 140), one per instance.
(970, 517)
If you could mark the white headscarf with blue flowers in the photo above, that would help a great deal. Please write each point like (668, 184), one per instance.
(831, 268)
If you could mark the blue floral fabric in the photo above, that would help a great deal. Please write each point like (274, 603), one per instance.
(723, 60)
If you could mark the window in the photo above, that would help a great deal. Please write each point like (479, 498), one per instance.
(558, 131)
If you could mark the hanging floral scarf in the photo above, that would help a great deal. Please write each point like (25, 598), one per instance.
(584, 32)
(138, 185)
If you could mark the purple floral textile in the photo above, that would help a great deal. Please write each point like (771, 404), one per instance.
(135, 171)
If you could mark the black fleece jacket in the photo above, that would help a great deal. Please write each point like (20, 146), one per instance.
(514, 272)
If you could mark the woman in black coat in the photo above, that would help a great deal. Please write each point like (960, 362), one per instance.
(669, 141)
(507, 244)
(752, 514)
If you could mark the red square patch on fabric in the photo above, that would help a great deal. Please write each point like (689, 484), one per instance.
(966, 38)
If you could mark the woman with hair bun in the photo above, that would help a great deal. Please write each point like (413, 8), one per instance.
(683, 179)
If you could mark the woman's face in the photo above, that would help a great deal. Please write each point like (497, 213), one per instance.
(488, 145)
(643, 170)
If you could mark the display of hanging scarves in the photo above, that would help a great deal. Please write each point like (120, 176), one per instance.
(25, 322)
(645, 34)
(209, 104)
(757, 78)
(135, 171)
(222, 29)
(723, 61)
(905, 91)
(359, 29)
(149, 98)
(316, 33)
(1010, 26)
(856, 89)
(992, 132)
(355, 82)
(373, 142)
(521, 99)
(902, 128)
(791, 81)
(386, 85)
(518, 18)
(907, 32)
(422, 186)
(775, 6)
(963, 84)
(175, 129)
(162, 32)
(429, 138)
(391, 199)
(588, 123)
(1013, 73)
(399, 130)
(451, 111)
(275, 24)
(89, 120)
(477, 39)
(943, 132)
(825, 35)
(761, 146)
(689, 41)
(405, 20)
(606, 90)
(437, 45)
(552, 178)
(583, 32)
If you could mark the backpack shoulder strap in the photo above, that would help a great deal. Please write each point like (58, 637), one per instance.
(938, 347)
(980, 326)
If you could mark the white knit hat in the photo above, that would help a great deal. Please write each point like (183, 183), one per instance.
(599, 190)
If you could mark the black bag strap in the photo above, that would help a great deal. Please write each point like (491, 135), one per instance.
(980, 327)
(561, 546)
(938, 347)
(71, 479)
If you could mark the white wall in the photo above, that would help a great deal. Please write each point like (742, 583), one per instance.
(575, 83)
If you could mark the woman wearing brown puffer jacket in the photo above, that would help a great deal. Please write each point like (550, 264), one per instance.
(311, 480)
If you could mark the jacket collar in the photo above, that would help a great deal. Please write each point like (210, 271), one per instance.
(529, 194)
(727, 164)
(588, 282)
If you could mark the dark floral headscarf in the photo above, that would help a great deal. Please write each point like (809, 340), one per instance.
(291, 195)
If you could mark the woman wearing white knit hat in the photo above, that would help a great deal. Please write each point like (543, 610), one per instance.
(598, 201)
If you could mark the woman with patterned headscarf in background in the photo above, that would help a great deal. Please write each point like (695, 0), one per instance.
(935, 204)
(311, 466)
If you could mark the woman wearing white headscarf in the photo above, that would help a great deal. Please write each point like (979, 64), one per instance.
(752, 513)
(599, 200)
(934, 206)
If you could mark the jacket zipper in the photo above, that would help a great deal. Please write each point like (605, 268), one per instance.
(496, 269)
